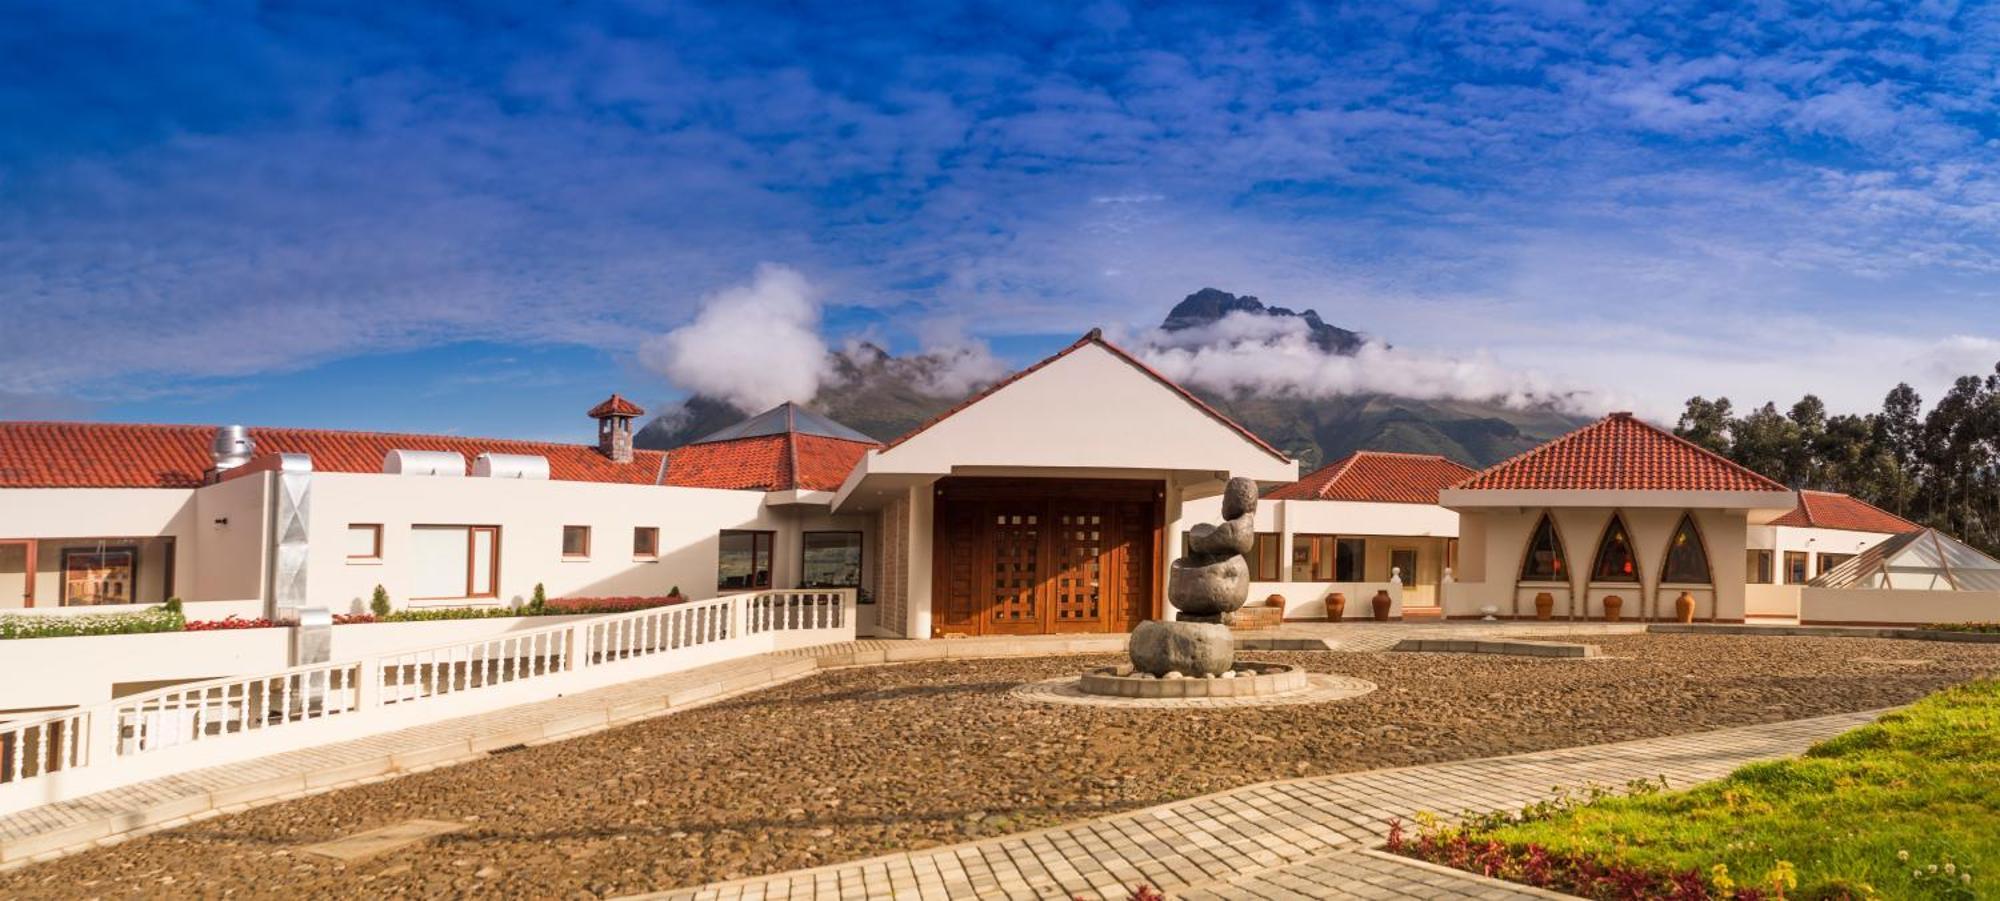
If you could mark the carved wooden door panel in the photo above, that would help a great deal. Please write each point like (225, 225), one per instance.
(1013, 587)
(962, 576)
(1132, 566)
(1078, 589)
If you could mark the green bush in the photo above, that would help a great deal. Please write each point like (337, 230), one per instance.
(442, 613)
(539, 602)
(379, 604)
(157, 619)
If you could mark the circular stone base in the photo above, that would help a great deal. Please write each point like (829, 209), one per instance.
(1246, 680)
(1319, 689)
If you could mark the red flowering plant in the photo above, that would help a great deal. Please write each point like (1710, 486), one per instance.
(227, 623)
(625, 604)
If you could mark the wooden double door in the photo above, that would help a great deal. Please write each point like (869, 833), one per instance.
(1037, 556)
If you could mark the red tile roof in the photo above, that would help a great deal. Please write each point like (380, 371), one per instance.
(1833, 510)
(123, 455)
(780, 462)
(1096, 336)
(1377, 476)
(615, 405)
(1619, 453)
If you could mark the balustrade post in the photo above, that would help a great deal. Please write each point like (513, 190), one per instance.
(101, 737)
(576, 641)
(737, 617)
(368, 683)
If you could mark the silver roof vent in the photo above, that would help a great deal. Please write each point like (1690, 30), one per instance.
(231, 448)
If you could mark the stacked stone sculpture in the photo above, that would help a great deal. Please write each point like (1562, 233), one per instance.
(1210, 581)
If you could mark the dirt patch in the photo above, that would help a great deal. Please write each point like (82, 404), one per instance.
(864, 761)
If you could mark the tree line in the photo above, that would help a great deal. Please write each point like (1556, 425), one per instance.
(1936, 468)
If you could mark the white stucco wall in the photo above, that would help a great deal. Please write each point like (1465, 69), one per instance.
(1896, 607)
(93, 513)
(1493, 543)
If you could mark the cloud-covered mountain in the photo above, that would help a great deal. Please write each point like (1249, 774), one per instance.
(884, 396)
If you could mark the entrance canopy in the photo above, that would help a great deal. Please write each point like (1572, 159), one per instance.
(1091, 410)
(1928, 560)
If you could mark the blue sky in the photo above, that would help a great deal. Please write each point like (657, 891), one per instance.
(475, 218)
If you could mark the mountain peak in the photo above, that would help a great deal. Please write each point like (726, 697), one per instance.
(1209, 305)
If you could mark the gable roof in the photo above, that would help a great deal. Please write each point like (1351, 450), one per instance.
(1379, 476)
(1096, 337)
(1833, 510)
(1619, 453)
(129, 455)
(785, 448)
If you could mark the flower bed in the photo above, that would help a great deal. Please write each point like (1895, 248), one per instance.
(1981, 628)
(553, 607)
(156, 619)
(168, 617)
(1908, 807)
(228, 622)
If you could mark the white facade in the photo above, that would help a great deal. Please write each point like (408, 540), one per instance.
(1788, 547)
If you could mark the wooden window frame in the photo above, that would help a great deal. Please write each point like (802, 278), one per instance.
(1820, 566)
(471, 547)
(1416, 560)
(860, 543)
(769, 541)
(654, 552)
(374, 555)
(1805, 560)
(1770, 567)
(582, 555)
(1318, 547)
(1277, 571)
(62, 571)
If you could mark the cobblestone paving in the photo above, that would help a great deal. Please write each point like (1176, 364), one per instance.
(1302, 838)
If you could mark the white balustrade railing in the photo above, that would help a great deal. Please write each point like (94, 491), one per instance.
(54, 756)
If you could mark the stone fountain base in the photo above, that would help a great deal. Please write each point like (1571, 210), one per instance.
(1191, 649)
(1247, 680)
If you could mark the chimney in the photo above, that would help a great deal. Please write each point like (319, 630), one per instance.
(614, 427)
(231, 447)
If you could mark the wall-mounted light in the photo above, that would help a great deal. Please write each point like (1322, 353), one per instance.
(222, 522)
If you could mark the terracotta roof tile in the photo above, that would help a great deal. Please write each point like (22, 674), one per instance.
(615, 405)
(1377, 476)
(1619, 453)
(125, 455)
(1833, 510)
(766, 463)
(1097, 337)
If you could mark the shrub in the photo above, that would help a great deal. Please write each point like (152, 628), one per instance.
(1965, 627)
(539, 602)
(156, 619)
(173, 605)
(379, 604)
(352, 619)
(231, 621)
(675, 593)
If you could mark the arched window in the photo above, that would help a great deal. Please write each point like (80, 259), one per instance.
(1545, 561)
(1615, 562)
(1687, 559)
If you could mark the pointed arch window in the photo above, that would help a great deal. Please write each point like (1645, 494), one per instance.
(1615, 562)
(1545, 561)
(1687, 557)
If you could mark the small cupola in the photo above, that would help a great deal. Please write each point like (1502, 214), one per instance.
(614, 427)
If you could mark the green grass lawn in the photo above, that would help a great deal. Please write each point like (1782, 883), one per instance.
(1865, 814)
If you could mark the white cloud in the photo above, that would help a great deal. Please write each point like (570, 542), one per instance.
(754, 345)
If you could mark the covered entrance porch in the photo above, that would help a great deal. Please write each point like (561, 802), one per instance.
(1026, 556)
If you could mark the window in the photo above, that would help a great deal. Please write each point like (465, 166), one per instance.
(1545, 561)
(1404, 561)
(576, 542)
(451, 562)
(830, 560)
(101, 575)
(1313, 558)
(1758, 566)
(1687, 559)
(1795, 568)
(743, 560)
(1829, 561)
(1350, 560)
(364, 541)
(1614, 555)
(1264, 557)
(646, 543)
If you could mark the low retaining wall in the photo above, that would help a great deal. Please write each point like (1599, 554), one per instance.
(1902, 632)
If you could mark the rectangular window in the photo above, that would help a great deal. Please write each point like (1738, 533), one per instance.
(452, 562)
(1264, 557)
(576, 542)
(107, 575)
(1313, 558)
(743, 560)
(830, 560)
(1404, 562)
(1795, 568)
(646, 543)
(364, 541)
(1758, 567)
(1350, 560)
(1829, 561)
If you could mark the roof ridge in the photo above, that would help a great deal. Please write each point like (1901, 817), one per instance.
(375, 433)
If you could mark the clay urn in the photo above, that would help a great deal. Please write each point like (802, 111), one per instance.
(1381, 603)
(1612, 606)
(1545, 605)
(1684, 607)
(1276, 600)
(1336, 606)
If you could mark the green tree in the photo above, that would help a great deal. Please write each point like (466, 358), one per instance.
(1706, 423)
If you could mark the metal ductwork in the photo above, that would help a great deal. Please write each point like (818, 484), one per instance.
(510, 466)
(423, 463)
(231, 448)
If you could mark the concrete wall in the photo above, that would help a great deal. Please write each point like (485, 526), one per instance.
(81, 516)
(1775, 600)
(1494, 542)
(1385, 527)
(1865, 606)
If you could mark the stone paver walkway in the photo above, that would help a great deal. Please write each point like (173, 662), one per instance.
(1302, 838)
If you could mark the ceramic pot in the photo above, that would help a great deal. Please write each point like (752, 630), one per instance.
(1684, 607)
(1336, 606)
(1381, 602)
(1545, 605)
(1612, 606)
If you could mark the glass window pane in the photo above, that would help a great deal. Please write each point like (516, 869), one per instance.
(361, 541)
(1351, 560)
(1795, 567)
(576, 541)
(483, 552)
(1687, 560)
(831, 560)
(1545, 561)
(1614, 556)
(645, 541)
(437, 561)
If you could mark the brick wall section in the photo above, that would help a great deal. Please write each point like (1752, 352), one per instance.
(893, 599)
